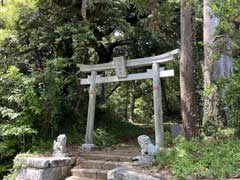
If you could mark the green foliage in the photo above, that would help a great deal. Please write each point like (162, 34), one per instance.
(124, 130)
(18, 164)
(113, 129)
(202, 159)
(14, 129)
(40, 46)
(11, 130)
(11, 176)
(41, 146)
(104, 139)
(231, 97)
(228, 14)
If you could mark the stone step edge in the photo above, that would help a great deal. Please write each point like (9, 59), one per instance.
(103, 154)
(90, 173)
(79, 178)
(102, 165)
(89, 170)
(106, 156)
(105, 162)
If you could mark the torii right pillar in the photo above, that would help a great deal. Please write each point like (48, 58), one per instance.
(158, 111)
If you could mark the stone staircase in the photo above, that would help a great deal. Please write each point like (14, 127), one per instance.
(95, 165)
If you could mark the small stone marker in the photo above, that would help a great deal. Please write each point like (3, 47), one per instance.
(59, 146)
(177, 130)
(120, 67)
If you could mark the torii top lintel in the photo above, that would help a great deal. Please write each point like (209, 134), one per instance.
(141, 62)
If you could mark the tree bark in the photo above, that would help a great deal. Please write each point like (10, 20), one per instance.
(188, 109)
(213, 69)
(208, 31)
(84, 10)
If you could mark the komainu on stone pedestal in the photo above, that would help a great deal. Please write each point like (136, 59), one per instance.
(147, 147)
(59, 146)
(148, 150)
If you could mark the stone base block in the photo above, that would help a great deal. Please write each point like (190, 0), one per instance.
(56, 173)
(44, 168)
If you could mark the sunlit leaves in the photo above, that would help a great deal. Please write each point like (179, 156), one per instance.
(13, 130)
(6, 112)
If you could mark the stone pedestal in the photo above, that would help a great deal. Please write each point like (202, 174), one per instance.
(44, 168)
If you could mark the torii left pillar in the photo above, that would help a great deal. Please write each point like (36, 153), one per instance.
(91, 113)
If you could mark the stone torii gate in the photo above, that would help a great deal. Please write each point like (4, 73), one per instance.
(120, 66)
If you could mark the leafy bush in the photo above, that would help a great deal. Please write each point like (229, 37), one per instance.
(125, 130)
(15, 127)
(104, 138)
(202, 159)
(42, 146)
(231, 97)
(111, 131)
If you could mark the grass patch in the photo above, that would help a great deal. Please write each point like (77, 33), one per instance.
(215, 159)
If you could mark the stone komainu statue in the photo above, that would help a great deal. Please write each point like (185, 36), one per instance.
(147, 148)
(59, 146)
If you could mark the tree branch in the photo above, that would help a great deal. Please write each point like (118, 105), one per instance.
(112, 91)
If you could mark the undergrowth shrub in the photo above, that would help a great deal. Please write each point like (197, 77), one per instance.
(116, 132)
(103, 138)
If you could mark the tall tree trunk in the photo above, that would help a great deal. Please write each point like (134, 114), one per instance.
(213, 69)
(84, 10)
(188, 109)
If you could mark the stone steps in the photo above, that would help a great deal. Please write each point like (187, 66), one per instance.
(106, 157)
(90, 173)
(95, 165)
(103, 165)
(78, 178)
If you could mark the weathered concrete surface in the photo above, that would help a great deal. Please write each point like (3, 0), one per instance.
(45, 162)
(128, 174)
(56, 173)
(44, 168)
